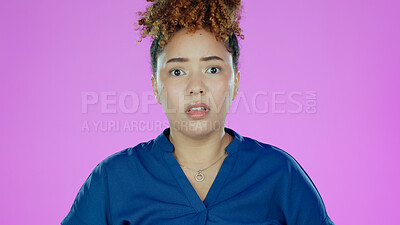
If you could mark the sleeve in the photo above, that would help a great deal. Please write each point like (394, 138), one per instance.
(302, 203)
(91, 205)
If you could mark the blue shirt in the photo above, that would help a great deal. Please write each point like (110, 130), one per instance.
(257, 184)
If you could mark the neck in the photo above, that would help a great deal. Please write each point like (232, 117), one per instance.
(200, 151)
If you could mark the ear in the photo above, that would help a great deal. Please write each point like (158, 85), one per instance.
(236, 89)
(155, 89)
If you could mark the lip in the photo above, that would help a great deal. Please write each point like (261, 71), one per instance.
(194, 105)
(197, 114)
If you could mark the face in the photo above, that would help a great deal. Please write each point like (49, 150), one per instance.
(195, 69)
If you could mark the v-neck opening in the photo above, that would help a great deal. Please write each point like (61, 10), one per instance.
(213, 184)
(183, 181)
(189, 190)
(216, 185)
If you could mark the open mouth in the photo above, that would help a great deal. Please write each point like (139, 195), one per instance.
(197, 110)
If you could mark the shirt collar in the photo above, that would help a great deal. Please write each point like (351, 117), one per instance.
(162, 142)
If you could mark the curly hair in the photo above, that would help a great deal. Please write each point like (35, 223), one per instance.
(165, 17)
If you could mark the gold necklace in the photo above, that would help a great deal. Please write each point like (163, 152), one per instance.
(200, 176)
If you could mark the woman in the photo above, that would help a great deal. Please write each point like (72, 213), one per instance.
(197, 171)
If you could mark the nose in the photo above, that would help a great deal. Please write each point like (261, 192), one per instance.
(196, 85)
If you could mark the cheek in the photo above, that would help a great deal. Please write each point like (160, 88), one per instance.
(224, 89)
(172, 92)
(222, 96)
(171, 97)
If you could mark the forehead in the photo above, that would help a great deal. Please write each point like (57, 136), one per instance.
(195, 46)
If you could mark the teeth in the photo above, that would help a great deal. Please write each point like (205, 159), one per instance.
(197, 108)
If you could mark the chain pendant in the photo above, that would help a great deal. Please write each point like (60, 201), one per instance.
(199, 176)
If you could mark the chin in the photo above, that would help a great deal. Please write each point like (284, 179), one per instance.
(197, 128)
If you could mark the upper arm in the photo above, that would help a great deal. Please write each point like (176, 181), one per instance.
(91, 205)
(302, 203)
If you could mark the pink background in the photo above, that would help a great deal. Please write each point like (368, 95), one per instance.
(347, 52)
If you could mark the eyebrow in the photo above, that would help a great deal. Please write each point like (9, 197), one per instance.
(208, 58)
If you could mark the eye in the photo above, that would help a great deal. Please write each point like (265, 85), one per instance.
(176, 72)
(214, 70)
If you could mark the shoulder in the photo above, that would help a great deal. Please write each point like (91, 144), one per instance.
(268, 152)
(280, 162)
(268, 159)
(126, 157)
